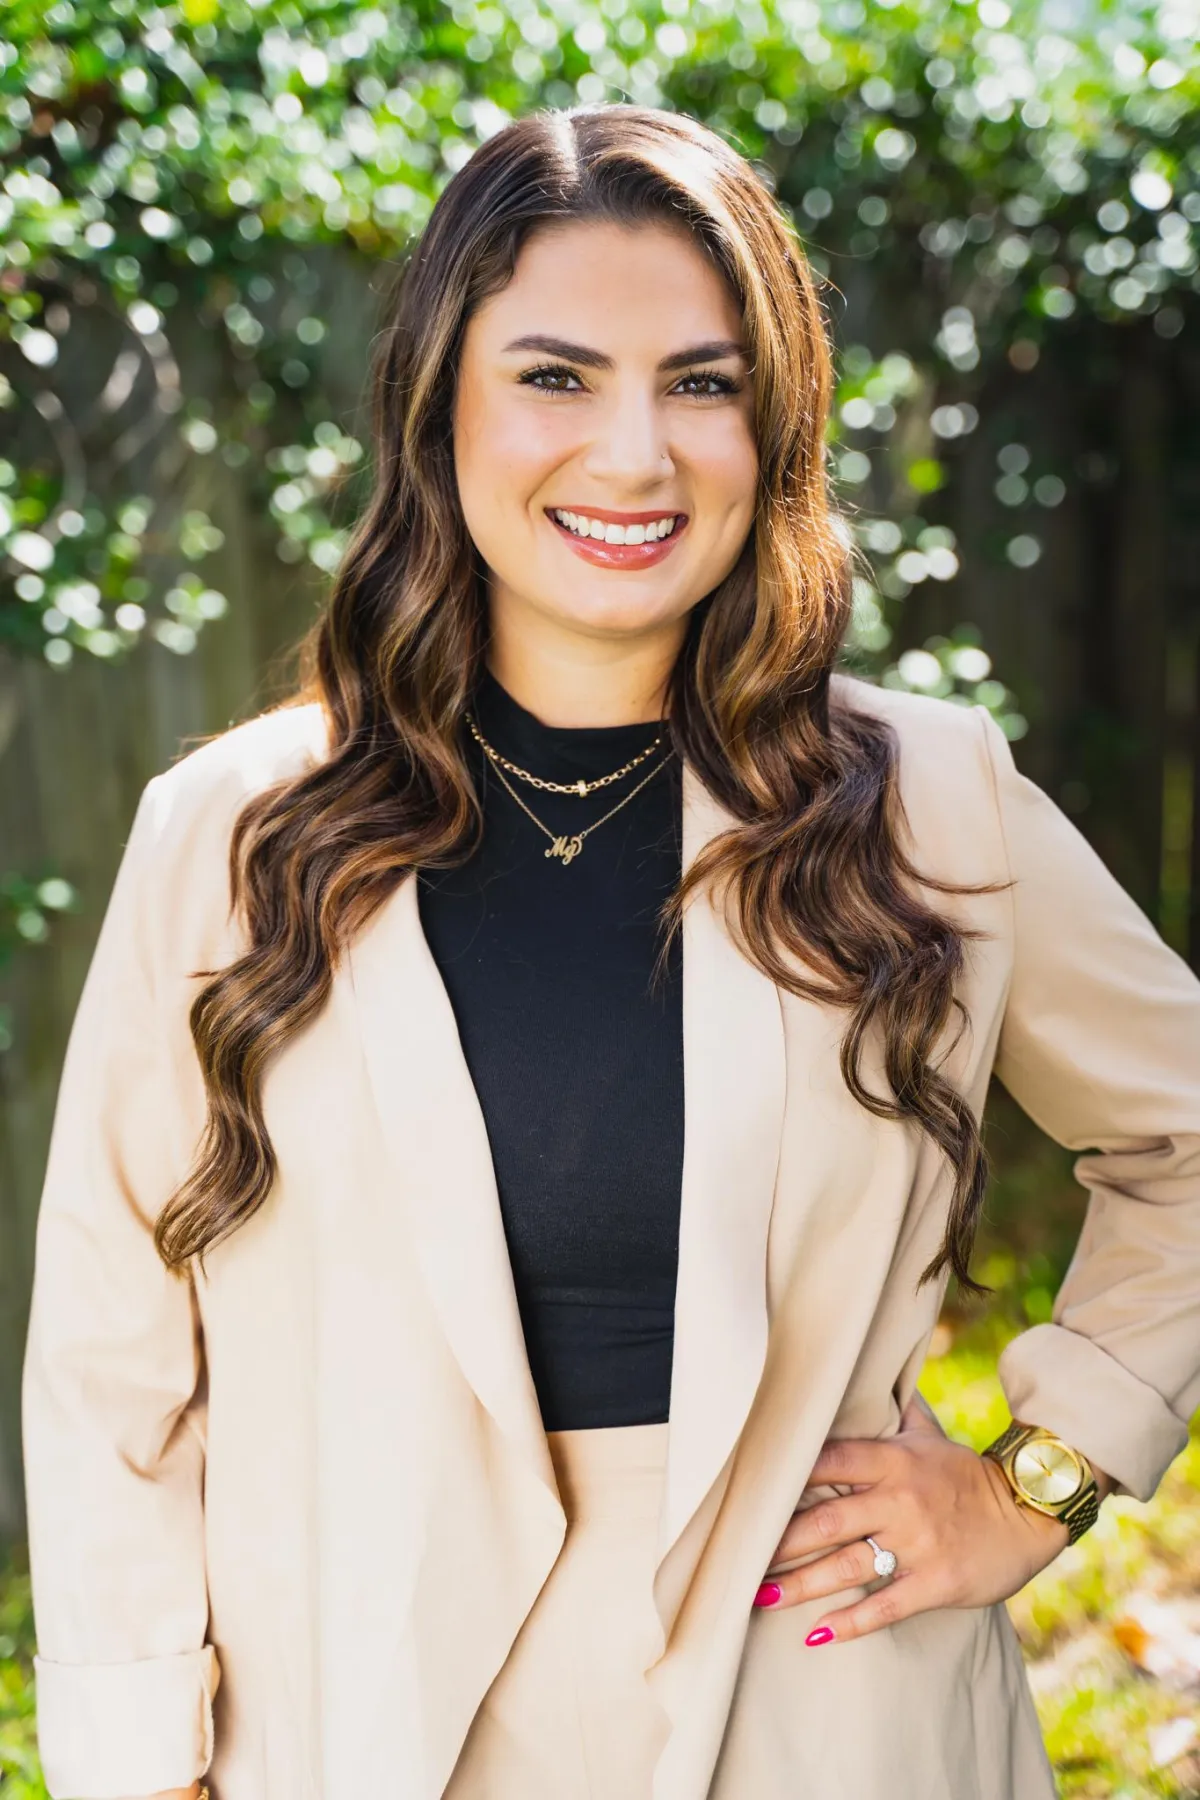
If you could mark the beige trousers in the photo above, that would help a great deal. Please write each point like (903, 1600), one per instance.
(569, 1716)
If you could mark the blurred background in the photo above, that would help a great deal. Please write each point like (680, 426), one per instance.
(200, 205)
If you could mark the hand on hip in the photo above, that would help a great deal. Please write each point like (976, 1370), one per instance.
(945, 1513)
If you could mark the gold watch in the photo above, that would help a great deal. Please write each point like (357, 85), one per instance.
(1048, 1476)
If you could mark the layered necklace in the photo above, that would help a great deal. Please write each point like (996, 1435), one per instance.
(566, 846)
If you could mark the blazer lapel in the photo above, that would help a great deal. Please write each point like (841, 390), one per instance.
(734, 1093)
(432, 1122)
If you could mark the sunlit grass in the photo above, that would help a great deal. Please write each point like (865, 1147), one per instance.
(20, 1770)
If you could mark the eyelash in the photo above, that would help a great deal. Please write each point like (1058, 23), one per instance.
(726, 384)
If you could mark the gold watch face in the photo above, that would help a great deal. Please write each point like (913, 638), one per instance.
(1047, 1471)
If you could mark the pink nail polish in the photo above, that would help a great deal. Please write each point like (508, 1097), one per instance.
(769, 1594)
(822, 1635)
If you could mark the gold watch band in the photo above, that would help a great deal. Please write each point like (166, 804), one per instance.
(1080, 1512)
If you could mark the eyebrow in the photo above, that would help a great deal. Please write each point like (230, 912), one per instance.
(587, 358)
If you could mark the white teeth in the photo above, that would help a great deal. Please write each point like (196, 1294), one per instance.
(582, 526)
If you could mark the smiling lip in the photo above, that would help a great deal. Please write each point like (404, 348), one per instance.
(624, 518)
(621, 556)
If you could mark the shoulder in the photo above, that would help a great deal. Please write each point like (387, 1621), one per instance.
(209, 785)
(927, 731)
(917, 720)
(177, 857)
(948, 757)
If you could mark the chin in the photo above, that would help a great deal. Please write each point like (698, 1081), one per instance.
(617, 620)
(613, 614)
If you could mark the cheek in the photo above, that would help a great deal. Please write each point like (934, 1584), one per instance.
(725, 467)
(504, 454)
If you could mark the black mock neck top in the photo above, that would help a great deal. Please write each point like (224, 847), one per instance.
(575, 1048)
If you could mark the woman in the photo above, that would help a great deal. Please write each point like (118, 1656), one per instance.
(366, 1289)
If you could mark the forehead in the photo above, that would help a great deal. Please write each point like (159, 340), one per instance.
(608, 285)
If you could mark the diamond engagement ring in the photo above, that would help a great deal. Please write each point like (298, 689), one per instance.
(885, 1560)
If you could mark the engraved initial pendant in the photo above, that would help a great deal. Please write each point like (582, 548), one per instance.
(566, 847)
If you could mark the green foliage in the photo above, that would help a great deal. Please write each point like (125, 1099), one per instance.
(27, 910)
(977, 181)
(20, 1769)
(999, 176)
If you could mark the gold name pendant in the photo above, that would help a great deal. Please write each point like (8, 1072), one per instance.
(566, 846)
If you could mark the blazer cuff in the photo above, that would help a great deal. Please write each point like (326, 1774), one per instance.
(108, 1730)
(1056, 1378)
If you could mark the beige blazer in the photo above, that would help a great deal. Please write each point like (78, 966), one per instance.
(318, 1477)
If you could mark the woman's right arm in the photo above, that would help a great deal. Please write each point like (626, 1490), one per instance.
(113, 1401)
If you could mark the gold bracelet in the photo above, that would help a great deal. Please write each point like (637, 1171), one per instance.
(203, 1794)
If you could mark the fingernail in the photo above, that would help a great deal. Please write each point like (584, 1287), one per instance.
(822, 1635)
(769, 1594)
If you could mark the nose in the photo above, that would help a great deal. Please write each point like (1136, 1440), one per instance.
(630, 450)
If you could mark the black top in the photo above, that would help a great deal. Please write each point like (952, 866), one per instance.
(576, 1053)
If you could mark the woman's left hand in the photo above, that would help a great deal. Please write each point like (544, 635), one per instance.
(946, 1512)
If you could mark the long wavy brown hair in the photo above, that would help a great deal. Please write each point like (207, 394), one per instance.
(814, 869)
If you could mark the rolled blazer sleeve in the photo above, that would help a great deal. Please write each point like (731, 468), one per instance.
(113, 1388)
(1100, 1045)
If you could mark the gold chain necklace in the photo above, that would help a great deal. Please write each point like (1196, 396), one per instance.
(567, 847)
(582, 788)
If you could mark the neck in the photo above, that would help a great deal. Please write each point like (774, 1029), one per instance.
(569, 681)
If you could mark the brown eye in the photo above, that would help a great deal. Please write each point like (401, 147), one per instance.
(547, 378)
(722, 384)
